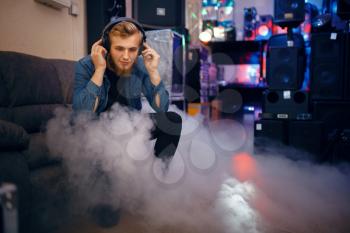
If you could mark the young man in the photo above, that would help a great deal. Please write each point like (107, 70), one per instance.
(115, 73)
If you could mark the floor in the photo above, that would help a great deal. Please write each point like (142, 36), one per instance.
(257, 194)
(127, 224)
(130, 223)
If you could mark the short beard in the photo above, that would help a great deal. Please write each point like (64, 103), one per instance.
(124, 73)
(121, 73)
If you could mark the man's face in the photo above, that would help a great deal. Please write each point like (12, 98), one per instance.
(124, 52)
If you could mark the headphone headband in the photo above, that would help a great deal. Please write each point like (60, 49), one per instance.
(115, 21)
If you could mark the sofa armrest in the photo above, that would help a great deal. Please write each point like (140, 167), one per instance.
(13, 136)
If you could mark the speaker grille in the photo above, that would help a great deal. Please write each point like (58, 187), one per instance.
(326, 66)
(285, 70)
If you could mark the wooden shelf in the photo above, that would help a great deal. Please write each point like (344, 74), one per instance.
(246, 46)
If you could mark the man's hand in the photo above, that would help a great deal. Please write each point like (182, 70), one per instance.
(151, 59)
(98, 54)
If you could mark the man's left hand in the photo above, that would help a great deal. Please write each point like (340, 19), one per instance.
(151, 59)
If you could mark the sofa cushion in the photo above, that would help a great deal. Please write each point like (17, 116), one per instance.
(37, 154)
(65, 70)
(32, 118)
(13, 136)
(28, 80)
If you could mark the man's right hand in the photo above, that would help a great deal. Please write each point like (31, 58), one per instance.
(98, 54)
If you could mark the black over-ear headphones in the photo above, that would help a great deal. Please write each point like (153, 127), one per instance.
(105, 34)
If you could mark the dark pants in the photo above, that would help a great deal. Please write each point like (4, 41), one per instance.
(166, 131)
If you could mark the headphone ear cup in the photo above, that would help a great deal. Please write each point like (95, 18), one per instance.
(142, 47)
(105, 43)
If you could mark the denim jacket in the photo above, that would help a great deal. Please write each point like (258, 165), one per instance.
(89, 97)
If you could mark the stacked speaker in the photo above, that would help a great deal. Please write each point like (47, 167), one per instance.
(315, 118)
(329, 73)
(286, 116)
(329, 79)
(159, 14)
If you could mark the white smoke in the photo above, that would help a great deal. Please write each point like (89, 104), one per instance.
(110, 160)
(234, 208)
(300, 196)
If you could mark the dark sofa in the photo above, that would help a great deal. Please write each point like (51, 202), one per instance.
(30, 89)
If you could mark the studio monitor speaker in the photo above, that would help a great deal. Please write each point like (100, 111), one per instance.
(307, 135)
(286, 104)
(289, 12)
(160, 13)
(269, 130)
(285, 68)
(327, 66)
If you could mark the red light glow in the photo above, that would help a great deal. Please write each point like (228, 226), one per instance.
(263, 30)
(244, 166)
